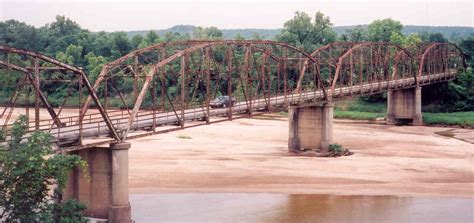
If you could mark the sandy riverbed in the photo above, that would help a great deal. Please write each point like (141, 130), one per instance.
(250, 155)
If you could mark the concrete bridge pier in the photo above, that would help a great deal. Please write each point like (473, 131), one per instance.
(105, 191)
(310, 127)
(404, 105)
(120, 209)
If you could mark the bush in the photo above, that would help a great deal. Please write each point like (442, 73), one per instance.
(337, 150)
(28, 169)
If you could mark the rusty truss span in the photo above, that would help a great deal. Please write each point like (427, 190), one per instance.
(162, 87)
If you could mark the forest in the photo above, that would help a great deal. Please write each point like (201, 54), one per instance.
(67, 41)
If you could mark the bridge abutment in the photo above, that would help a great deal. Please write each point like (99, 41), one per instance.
(404, 104)
(310, 127)
(105, 190)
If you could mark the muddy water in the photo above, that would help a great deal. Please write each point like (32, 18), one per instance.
(247, 207)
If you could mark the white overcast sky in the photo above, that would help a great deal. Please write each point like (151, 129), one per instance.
(115, 15)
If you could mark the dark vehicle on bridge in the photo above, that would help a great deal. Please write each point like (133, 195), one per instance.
(222, 102)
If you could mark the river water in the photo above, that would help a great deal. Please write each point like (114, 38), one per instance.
(261, 207)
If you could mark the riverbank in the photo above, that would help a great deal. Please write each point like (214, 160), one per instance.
(250, 156)
(360, 110)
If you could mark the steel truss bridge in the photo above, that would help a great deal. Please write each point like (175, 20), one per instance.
(169, 86)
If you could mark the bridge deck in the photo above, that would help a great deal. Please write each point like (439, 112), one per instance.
(95, 132)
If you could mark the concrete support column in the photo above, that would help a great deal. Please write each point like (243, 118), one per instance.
(404, 104)
(120, 209)
(326, 126)
(310, 127)
(417, 116)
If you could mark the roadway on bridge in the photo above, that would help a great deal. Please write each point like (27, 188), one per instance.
(97, 129)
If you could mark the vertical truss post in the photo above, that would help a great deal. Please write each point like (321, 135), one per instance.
(248, 77)
(279, 65)
(183, 88)
(37, 96)
(135, 79)
(153, 98)
(106, 94)
(386, 66)
(351, 63)
(361, 70)
(262, 80)
(330, 68)
(430, 65)
(371, 68)
(208, 83)
(229, 79)
(27, 103)
(269, 88)
(285, 77)
(386, 58)
(318, 72)
(80, 111)
(163, 76)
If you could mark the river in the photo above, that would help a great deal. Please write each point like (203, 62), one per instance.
(261, 207)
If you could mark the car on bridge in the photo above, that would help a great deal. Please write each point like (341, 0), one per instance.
(222, 102)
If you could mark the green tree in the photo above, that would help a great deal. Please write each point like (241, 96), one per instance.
(58, 35)
(208, 33)
(357, 34)
(121, 44)
(18, 34)
(151, 38)
(102, 44)
(94, 65)
(28, 169)
(257, 36)
(73, 55)
(382, 30)
(432, 37)
(137, 40)
(239, 36)
(301, 32)
(411, 40)
(175, 36)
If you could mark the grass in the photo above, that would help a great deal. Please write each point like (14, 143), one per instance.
(360, 106)
(360, 110)
(357, 115)
(465, 119)
(283, 113)
(184, 137)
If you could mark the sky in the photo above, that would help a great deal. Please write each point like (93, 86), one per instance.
(128, 15)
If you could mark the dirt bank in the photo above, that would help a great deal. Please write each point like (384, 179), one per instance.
(250, 155)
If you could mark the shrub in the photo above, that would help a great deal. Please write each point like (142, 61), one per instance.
(337, 150)
(28, 169)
